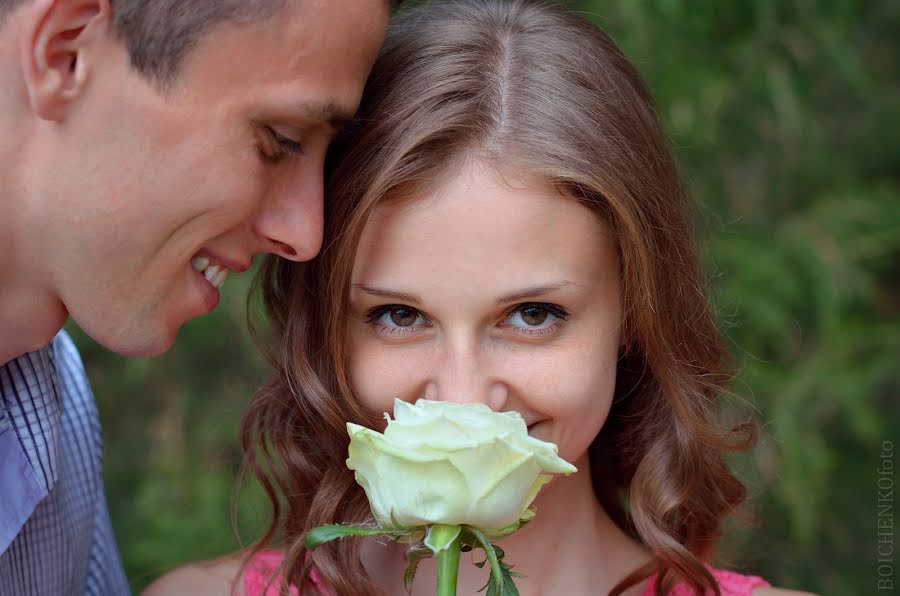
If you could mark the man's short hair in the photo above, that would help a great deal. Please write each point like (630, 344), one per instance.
(159, 33)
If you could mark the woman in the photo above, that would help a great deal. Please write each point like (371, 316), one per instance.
(505, 225)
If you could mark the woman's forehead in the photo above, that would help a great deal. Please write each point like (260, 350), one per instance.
(478, 226)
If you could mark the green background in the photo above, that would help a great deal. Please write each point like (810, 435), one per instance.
(785, 117)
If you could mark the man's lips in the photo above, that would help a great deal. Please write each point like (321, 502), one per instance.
(232, 264)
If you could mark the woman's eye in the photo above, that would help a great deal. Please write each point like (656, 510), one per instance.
(396, 318)
(403, 317)
(536, 317)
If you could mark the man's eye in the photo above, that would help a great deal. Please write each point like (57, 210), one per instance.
(278, 147)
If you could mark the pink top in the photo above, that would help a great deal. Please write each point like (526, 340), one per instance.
(261, 579)
(730, 584)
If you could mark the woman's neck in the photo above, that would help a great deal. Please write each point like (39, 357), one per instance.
(570, 547)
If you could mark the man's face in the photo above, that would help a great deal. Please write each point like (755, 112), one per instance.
(145, 186)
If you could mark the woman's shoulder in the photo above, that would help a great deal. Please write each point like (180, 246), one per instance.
(732, 583)
(770, 591)
(220, 577)
(233, 575)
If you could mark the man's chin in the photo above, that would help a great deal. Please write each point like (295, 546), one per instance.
(133, 343)
(146, 350)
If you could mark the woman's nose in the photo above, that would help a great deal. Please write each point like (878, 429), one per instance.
(465, 376)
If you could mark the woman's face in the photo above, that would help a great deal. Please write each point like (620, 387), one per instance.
(494, 290)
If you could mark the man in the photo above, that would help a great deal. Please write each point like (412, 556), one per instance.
(148, 148)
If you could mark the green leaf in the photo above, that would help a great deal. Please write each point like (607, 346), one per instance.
(509, 587)
(500, 582)
(319, 536)
(496, 578)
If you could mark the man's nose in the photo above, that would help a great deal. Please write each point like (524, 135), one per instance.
(291, 219)
(463, 375)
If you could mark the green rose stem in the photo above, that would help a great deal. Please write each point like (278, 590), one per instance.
(444, 542)
(448, 569)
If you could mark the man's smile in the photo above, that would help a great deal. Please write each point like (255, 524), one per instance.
(214, 273)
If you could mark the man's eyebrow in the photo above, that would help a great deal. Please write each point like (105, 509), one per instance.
(534, 291)
(393, 295)
(336, 116)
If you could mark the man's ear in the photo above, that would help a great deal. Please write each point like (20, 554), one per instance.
(57, 48)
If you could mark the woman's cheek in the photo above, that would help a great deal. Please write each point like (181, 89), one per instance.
(368, 386)
(378, 375)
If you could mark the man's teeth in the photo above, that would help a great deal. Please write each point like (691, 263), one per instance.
(215, 274)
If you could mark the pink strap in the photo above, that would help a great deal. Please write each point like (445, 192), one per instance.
(730, 583)
(261, 577)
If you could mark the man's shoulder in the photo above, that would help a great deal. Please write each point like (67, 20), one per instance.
(73, 381)
(66, 352)
(61, 352)
(29, 382)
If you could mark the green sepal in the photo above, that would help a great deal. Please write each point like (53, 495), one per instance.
(414, 556)
(319, 536)
(526, 517)
(440, 537)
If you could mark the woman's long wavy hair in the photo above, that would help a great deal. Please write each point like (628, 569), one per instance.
(527, 86)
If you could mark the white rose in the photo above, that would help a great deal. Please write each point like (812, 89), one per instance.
(447, 463)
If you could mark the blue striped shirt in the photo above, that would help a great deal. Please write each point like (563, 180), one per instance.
(55, 533)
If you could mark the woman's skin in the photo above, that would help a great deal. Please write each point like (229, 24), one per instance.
(497, 289)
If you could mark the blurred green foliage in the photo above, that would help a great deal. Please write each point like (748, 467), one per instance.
(785, 117)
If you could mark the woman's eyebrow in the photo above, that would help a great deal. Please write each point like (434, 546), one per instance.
(534, 291)
(529, 292)
(385, 293)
